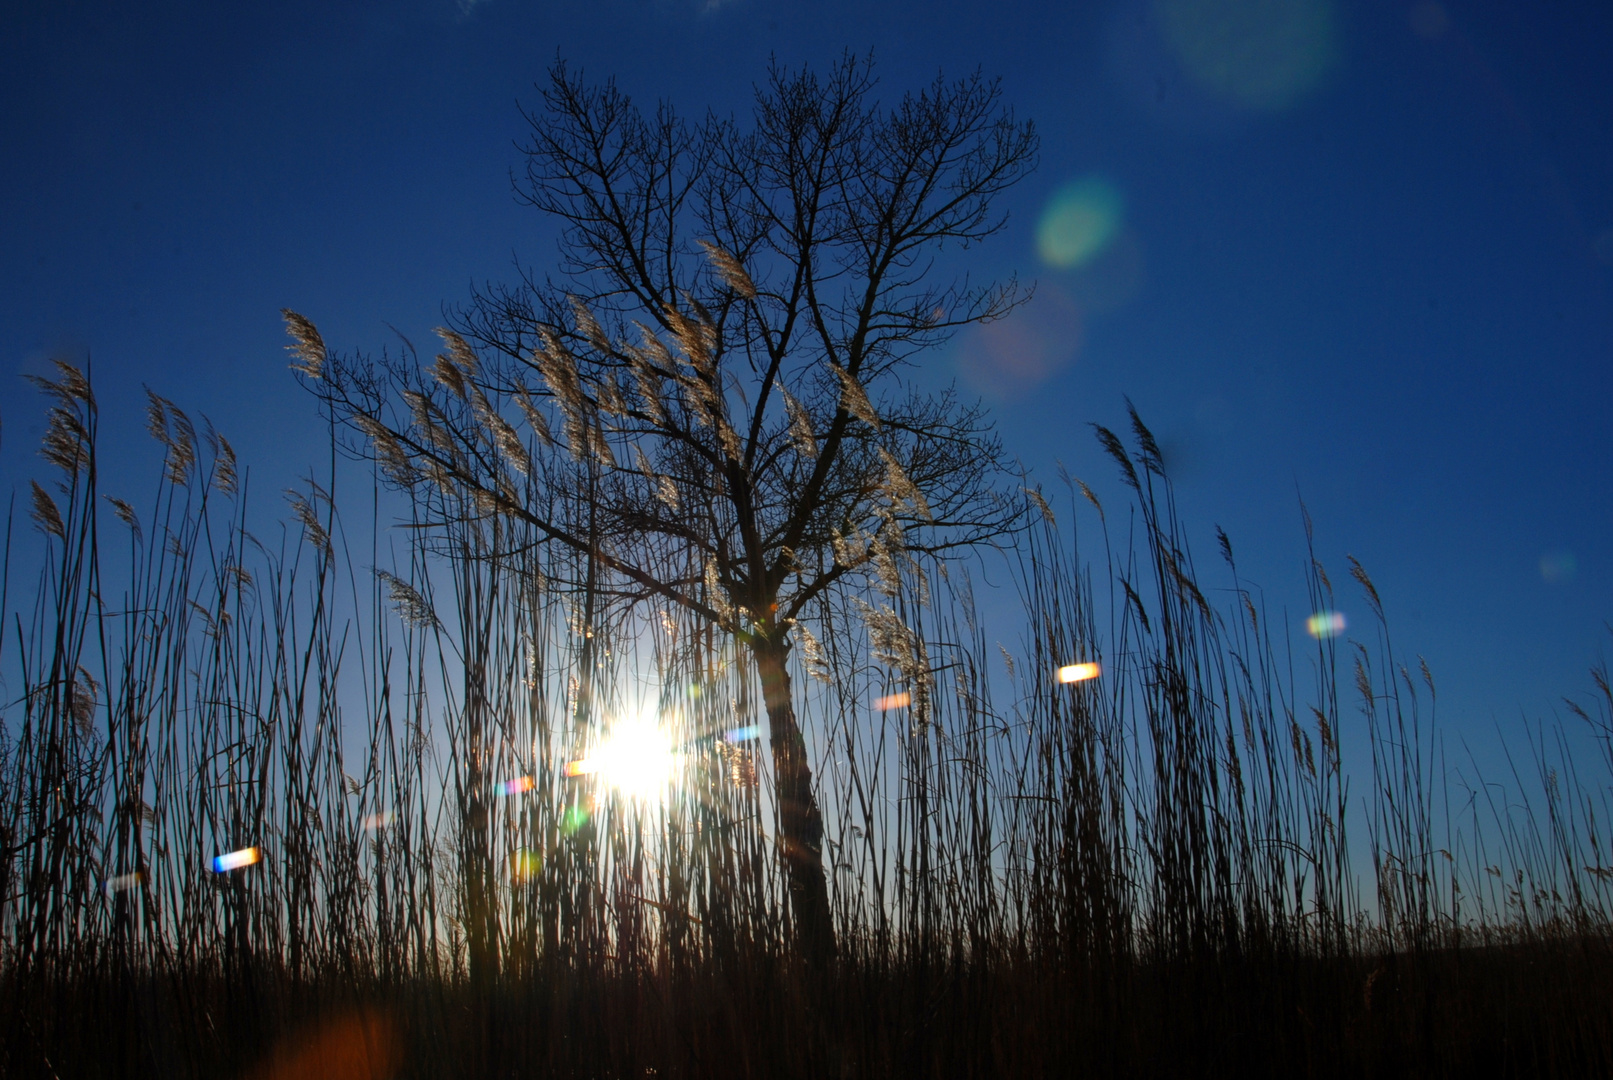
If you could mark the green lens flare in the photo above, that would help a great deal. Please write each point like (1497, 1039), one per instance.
(1079, 222)
(1261, 54)
(573, 819)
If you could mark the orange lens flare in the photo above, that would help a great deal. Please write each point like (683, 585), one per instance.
(1073, 673)
(893, 701)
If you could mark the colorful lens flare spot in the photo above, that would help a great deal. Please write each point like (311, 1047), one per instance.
(1558, 566)
(1325, 624)
(1428, 19)
(573, 819)
(378, 821)
(122, 881)
(514, 787)
(1260, 54)
(1072, 673)
(525, 865)
(893, 701)
(743, 734)
(1079, 222)
(235, 860)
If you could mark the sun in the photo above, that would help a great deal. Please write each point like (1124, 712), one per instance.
(637, 758)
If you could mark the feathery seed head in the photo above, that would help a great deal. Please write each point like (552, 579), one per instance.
(559, 370)
(307, 347)
(895, 644)
(410, 605)
(716, 595)
(649, 386)
(899, 488)
(654, 350)
(588, 326)
(806, 443)
(729, 438)
(156, 417)
(609, 395)
(510, 444)
(853, 398)
(66, 444)
(448, 374)
(534, 418)
(812, 654)
(171, 427)
(665, 488)
(1091, 498)
(72, 384)
(1040, 503)
(125, 514)
(224, 474)
(696, 338)
(46, 517)
(850, 553)
(731, 270)
(599, 446)
(1116, 449)
(887, 577)
(460, 352)
(313, 529)
(82, 695)
(389, 452)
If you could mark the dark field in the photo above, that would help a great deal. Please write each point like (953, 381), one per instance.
(1162, 871)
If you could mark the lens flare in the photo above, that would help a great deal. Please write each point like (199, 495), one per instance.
(1079, 222)
(121, 882)
(364, 1045)
(235, 860)
(1073, 673)
(893, 701)
(378, 821)
(1558, 566)
(573, 819)
(1260, 54)
(743, 734)
(1602, 246)
(1325, 624)
(525, 865)
(1005, 359)
(514, 787)
(1428, 19)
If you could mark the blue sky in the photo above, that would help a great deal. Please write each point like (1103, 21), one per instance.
(1356, 251)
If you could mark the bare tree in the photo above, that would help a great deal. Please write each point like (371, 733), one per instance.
(715, 371)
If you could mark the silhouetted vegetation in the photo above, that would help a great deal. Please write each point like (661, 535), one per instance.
(1149, 872)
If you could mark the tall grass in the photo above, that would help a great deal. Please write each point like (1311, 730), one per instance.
(1163, 870)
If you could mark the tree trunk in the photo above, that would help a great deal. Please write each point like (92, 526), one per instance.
(800, 822)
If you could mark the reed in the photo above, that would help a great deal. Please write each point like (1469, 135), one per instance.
(1162, 870)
